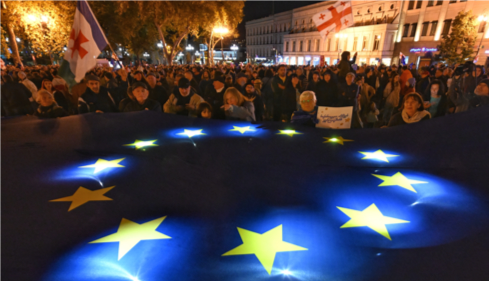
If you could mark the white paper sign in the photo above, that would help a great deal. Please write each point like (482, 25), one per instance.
(334, 117)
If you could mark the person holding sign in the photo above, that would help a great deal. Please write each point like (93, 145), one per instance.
(307, 115)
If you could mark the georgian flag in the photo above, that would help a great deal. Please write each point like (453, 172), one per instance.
(86, 42)
(336, 18)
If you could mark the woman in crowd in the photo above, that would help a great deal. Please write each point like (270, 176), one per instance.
(47, 85)
(205, 81)
(391, 96)
(236, 107)
(290, 98)
(48, 107)
(327, 94)
(307, 114)
(437, 105)
(412, 111)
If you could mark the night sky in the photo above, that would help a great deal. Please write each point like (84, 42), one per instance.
(260, 9)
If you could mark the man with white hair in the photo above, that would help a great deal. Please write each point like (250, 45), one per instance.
(29, 84)
(307, 115)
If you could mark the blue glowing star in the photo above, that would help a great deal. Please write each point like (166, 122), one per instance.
(378, 155)
(242, 130)
(191, 133)
(103, 164)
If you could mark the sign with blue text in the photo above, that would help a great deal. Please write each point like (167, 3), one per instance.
(334, 117)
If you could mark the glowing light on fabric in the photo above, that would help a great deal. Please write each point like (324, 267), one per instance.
(370, 217)
(377, 155)
(339, 140)
(289, 133)
(131, 233)
(400, 180)
(264, 246)
(103, 164)
(242, 130)
(191, 133)
(142, 144)
(83, 195)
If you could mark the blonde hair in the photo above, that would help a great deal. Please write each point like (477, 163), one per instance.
(233, 91)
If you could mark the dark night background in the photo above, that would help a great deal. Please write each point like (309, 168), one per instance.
(259, 9)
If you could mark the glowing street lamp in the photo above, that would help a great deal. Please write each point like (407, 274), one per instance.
(221, 31)
(235, 49)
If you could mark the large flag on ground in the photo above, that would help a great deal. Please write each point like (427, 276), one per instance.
(336, 18)
(150, 196)
(87, 40)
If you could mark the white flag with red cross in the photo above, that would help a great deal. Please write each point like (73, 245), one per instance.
(336, 18)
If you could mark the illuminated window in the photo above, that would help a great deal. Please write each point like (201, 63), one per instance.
(413, 29)
(419, 4)
(434, 24)
(411, 5)
(431, 3)
(376, 43)
(406, 30)
(355, 43)
(365, 43)
(424, 32)
(446, 27)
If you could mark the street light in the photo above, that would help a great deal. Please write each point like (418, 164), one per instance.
(235, 49)
(221, 31)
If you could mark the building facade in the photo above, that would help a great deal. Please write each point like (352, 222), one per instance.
(381, 30)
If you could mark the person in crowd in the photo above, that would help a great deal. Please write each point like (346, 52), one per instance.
(156, 92)
(391, 96)
(437, 104)
(423, 84)
(48, 107)
(185, 102)
(204, 110)
(267, 94)
(47, 85)
(236, 107)
(366, 93)
(307, 114)
(138, 76)
(141, 99)
(193, 83)
(28, 84)
(303, 82)
(412, 111)
(205, 81)
(458, 93)
(372, 115)
(410, 87)
(405, 76)
(228, 80)
(278, 87)
(15, 98)
(62, 96)
(241, 81)
(370, 77)
(313, 84)
(345, 65)
(327, 90)
(440, 77)
(481, 95)
(290, 98)
(251, 96)
(214, 94)
(95, 99)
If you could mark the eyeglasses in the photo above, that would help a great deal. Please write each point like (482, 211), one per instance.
(306, 101)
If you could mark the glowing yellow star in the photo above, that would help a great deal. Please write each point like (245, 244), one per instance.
(398, 179)
(242, 130)
(379, 155)
(371, 217)
(191, 133)
(339, 140)
(265, 246)
(142, 144)
(83, 195)
(290, 133)
(130, 233)
(103, 164)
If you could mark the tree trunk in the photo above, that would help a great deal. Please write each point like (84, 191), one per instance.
(13, 45)
(165, 51)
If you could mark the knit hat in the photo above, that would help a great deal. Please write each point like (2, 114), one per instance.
(241, 75)
(139, 84)
(91, 77)
(183, 83)
(58, 82)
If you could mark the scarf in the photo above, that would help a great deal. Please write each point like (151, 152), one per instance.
(416, 116)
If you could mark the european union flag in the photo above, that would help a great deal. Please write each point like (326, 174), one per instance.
(150, 196)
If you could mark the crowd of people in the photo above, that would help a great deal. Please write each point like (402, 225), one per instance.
(381, 96)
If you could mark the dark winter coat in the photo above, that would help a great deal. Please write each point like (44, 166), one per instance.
(149, 104)
(327, 94)
(91, 102)
(15, 99)
(53, 111)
